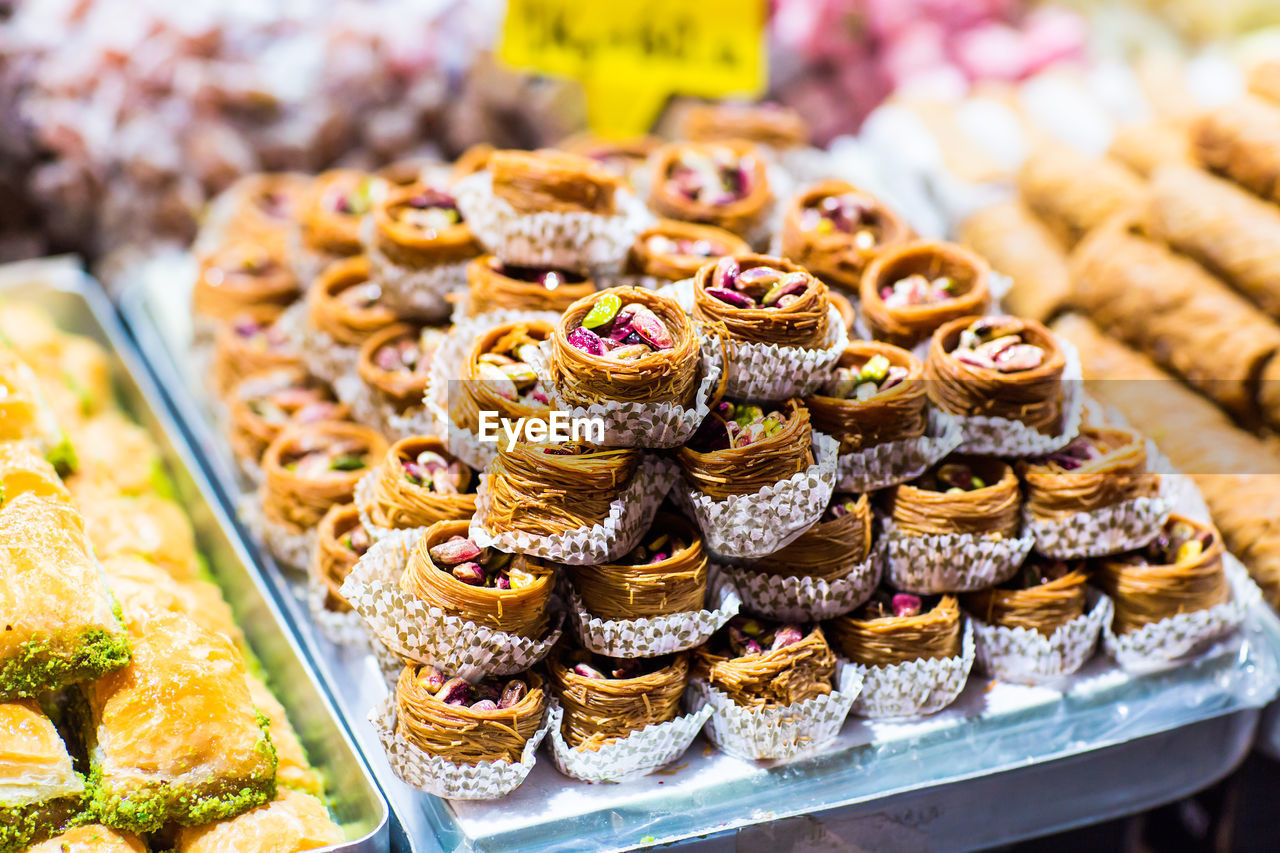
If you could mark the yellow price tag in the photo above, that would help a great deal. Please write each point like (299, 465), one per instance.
(631, 55)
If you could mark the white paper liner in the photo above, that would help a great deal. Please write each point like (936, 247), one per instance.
(1159, 644)
(653, 636)
(789, 598)
(416, 291)
(776, 732)
(581, 241)
(897, 462)
(764, 372)
(646, 424)
(321, 354)
(390, 664)
(917, 687)
(630, 515)
(289, 548)
(1110, 530)
(363, 499)
(1024, 656)
(307, 263)
(950, 562)
(487, 780)
(768, 520)
(343, 629)
(1003, 437)
(426, 634)
(637, 754)
(370, 407)
(446, 367)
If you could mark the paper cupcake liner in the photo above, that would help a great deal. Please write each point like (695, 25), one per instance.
(581, 241)
(774, 732)
(768, 520)
(651, 636)
(325, 358)
(765, 372)
(290, 548)
(1024, 656)
(917, 687)
(421, 632)
(342, 629)
(637, 754)
(789, 598)
(251, 471)
(645, 424)
(950, 562)
(487, 780)
(363, 499)
(1159, 644)
(307, 263)
(446, 367)
(390, 664)
(1003, 437)
(416, 291)
(630, 515)
(1110, 530)
(897, 462)
(369, 407)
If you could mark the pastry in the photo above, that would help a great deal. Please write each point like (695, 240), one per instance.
(605, 699)
(741, 448)
(834, 230)
(760, 299)
(665, 574)
(876, 395)
(909, 291)
(725, 184)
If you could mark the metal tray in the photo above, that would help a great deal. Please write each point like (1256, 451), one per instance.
(78, 304)
(1032, 752)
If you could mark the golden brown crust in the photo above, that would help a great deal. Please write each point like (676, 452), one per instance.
(236, 355)
(478, 394)
(242, 275)
(463, 735)
(989, 511)
(600, 710)
(745, 470)
(892, 640)
(648, 259)
(328, 312)
(33, 758)
(265, 208)
(293, 821)
(1119, 474)
(331, 225)
(741, 216)
(548, 180)
(146, 526)
(1018, 245)
(409, 244)
(623, 591)
(826, 551)
(767, 124)
(1073, 193)
(906, 326)
(837, 257)
(493, 286)
(895, 414)
(250, 429)
(802, 323)
(775, 678)
(298, 499)
(90, 838)
(1242, 141)
(402, 390)
(333, 560)
(1042, 608)
(399, 504)
(1144, 148)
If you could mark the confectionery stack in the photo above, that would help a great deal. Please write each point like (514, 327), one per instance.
(130, 707)
(813, 474)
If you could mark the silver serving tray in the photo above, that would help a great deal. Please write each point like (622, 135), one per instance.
(78, 304)
(946, 782)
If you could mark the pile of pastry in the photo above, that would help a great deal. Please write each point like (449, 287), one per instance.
(801, 470)
(130, 715)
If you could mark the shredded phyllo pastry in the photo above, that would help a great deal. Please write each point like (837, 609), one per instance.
(241, 275)
(834, 230)
(1003, 367)
(468, 723)
(963, 494)
(493, 285)
(666, 573)
(250, 342)
(760, 299)
(1242, 141)
(1045, 595)
(263, 404)
(507, 592)
(341, 540)
(740, 448)
(420, 226)
(537, 181)
(909, 291)
(875, 396)
(670, 250)
(308, 469)
(1179, 572)
(827, 551)
(608, 698)
(1101, 467)
(897, 628)
(396, 363)
(626, 345)
(761, 664)
(419, 483)
(335, 205)
(500, 374)
(766, 123)
(345, 305)
(546, 489)
(725, 184)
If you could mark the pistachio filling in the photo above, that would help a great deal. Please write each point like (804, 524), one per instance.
(545, 276)
(847, 213)
(917, 289)
(745, 635)
(661, 244)
(300, 404)
(1078, 452)
(1178, 542)
(356, 540)
(476, 566)
(490, 694)
(760, 286)
(620, 332)
(339, 456)
(360, 297)
(510, 368)
(863, 383)
(716, 175)
(995, 343)
(952, 478)
(357, 200)
(429, 210)
(840, 506)
(260, 337)
(733, 425)
(432, 471)
(884, 604)
(657, 547)
(410, 354)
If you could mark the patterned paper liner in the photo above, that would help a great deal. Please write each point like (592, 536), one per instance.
(487, 780)
(652, 636)
(342, 629)
(949, 562)
(390, 664)
(790, 598)
(776, 733)
(421, 632)
(1161, 644)
(638, 754)
(321, 354)
(765, 372)
(1024, 656)
(1003, 437)
(580, 241)
(768, 520)
(646, 424)
(1121, 527)
(290, 548)
(896, 462)
(915, 688)
(446, 367)
(362, 499)
(369, 408)
(630, 515)
(412, 291)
